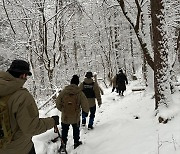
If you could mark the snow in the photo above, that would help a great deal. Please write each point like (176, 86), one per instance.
(125, 125)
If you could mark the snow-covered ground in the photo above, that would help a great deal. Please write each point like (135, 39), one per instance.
(123, 125)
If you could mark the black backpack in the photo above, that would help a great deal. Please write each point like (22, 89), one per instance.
(120, 78)
(88, 90)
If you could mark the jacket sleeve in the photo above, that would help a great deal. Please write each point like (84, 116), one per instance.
(84, 102)
(81, 86)
(114, 81)
(126, 80)
(27, 116)
(59, 103)
(97, 93)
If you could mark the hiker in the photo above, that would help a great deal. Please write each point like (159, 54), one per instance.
(114, 84)
(92, 92)
(70, 101)
(121, 81)
(95, 80)
(23, 111)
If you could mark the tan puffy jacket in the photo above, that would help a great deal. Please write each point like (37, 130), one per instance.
(114, 81)
(92, 101)
(24, 115)
(82, 103)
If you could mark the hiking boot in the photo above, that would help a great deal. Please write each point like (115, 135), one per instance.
(83, 125)
(90, 127)
(62, 148)
(76, 144)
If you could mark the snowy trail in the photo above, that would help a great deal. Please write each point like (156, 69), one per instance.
(123, 125)
(116, 112)
(104, 121)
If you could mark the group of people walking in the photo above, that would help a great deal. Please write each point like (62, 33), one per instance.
(76, 101)
(73, 101)
(119, 82)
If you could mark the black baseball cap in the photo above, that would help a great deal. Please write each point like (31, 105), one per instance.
(20, 66)
(89, 75)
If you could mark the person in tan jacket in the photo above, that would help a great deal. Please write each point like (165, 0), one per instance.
(23, 111)
(92, 92)
(70, 101)
(114, 84)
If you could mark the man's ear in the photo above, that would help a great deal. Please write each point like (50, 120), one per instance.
(23, 76)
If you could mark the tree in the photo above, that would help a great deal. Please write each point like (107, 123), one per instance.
(162, 83)
(161, 67)
(136, 27)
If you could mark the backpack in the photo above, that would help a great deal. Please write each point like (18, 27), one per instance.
(70, 102)
(5, 126)
(88, 90)
(120, 78)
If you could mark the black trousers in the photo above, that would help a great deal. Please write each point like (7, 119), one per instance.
(32, 151)
(76, 132)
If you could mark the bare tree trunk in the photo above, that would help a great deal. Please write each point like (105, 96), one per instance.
(161, 69)
(144, 70)
(4, 6)
(137, 31)
(132, 53)
(178, 46)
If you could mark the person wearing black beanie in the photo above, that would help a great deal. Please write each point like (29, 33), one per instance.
(70, 101)
(75, 80)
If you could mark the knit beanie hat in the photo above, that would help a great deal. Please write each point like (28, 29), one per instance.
(75, 80)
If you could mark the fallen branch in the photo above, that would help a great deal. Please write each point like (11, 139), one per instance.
(138, 89)
(48, 100)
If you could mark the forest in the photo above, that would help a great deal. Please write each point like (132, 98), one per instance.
(60, 38)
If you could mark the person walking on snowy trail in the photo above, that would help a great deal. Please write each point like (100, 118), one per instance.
(70, 101)
(95, 80)
(114, 84)
(121, 81)
(92, 92)
(23, 112)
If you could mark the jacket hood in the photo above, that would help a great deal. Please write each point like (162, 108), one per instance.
(9, 84)
(72, 89)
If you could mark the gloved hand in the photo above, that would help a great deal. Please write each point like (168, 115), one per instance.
(56, 119)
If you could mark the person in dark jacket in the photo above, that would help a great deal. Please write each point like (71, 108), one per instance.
(72, 117)
(23, 111)
(121, 81)
(92, 92)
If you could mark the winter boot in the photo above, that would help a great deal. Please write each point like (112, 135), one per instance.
(90, 127)
(83, 123)
(62, 148)
(76, 144)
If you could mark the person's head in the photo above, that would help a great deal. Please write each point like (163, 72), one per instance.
(89, 75)
(75, 80)
(19, 69)
(120, 71)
